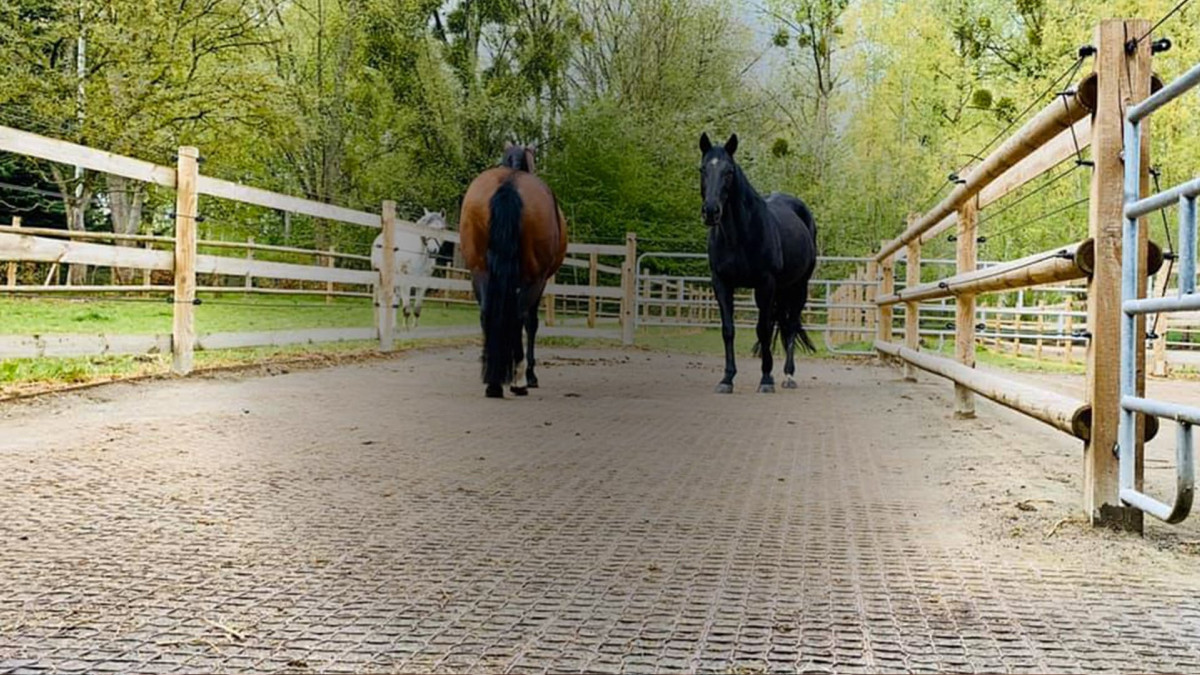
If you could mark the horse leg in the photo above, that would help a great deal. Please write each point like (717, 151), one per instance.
(531, 329)
(404, 292)
(420, 296)
(480, 286)
(764, 297)
(788, 329)
(520, 384)
(724, 295)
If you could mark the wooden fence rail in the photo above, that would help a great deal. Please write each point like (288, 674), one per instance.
(188, 256)
(1090, 115)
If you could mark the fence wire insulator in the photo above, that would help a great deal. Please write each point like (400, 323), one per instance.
(1086, 51)
(943, 285)
(198, 218)
(1085, 162)
(981, 326)
(1170, 256)
(1151, 335)
(1065, 255)
(1160, 45)
(981, 240)
(952, 238)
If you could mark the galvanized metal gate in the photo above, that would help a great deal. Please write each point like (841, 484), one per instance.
(1134, 307)
(841, 306)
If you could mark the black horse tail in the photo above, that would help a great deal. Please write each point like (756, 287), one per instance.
(501, 323)
(806, 342)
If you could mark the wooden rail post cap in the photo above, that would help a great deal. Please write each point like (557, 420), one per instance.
(1154, 258)
(1086, 92)
(189, 151)
(1085, 256)
(1081, 425)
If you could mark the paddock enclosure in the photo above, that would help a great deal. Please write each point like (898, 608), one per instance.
(385, 516)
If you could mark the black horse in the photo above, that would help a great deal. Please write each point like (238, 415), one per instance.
(519, 157)
(765, 244)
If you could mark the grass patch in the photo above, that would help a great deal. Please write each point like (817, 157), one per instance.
(708, 342)
(216, 314)
(1009, 361)
(26, 376)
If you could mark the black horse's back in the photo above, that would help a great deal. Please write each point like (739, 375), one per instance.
(798, 207)
(797, 237)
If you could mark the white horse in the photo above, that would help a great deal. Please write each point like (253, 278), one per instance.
(415, 255)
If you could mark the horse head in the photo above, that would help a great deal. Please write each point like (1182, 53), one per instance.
(718, 172)
(434, 220)
(519, 157)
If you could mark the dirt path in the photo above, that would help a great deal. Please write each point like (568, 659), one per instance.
(386, 517)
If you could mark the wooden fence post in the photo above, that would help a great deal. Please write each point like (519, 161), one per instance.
(387, 278)
(593, 278)
(1069, 330)
(1121, 80)
(1041, 327)
(871, 276)
(146, 276)
(860, 318)
(329, 261)
(183, 325)
(629, 288)
(887, 286)
(964, 304)
(12, 266)
(250, 256)
(912, 318)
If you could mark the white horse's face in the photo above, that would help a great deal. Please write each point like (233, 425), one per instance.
(434, 220)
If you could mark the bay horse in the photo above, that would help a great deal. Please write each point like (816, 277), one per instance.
(514, 239)
(765, 244)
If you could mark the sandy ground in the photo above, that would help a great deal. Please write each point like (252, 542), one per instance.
(386, 516)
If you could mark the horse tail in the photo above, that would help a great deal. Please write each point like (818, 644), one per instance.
(757, 350)
(501, 323)
(805, 341)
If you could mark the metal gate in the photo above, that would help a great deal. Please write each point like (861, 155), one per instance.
(685, 299)
(1133, 307)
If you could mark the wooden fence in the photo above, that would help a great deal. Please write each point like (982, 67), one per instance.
(1088, 115)
(183, 257)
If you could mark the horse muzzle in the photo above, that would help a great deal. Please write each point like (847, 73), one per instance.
(712, 215)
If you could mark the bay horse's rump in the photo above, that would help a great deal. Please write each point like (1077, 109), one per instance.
(543, 227)
(513, 240)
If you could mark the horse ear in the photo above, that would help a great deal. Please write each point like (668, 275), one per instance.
(731, 144)
(508, 145)
(705, 144)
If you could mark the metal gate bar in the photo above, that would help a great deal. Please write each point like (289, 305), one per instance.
(1133, 307)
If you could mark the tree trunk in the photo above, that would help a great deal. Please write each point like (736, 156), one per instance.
(76, 192)
(125, 198)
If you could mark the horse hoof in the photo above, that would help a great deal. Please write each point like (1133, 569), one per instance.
(790, 384)
(724, 388)
(519, 391)
(766, 389)
(495, 391)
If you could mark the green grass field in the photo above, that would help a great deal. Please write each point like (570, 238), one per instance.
(236, 313)
(216, 314)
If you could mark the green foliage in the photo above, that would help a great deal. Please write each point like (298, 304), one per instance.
(860, 107)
